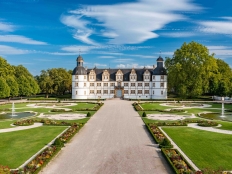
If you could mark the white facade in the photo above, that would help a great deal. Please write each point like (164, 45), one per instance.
(111, 83)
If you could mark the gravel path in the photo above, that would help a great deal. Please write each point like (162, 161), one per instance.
(210, 129)
(18, 128)
(114, 141)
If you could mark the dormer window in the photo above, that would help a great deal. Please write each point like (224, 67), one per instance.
(119, 75)
(105, 75)
(133, 75)
(92, 75)
(146, 75)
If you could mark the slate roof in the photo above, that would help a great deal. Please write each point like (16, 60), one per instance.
(80, 70)
(126, 73)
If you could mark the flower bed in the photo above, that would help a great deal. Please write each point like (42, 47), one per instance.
(137, 107)
(179, 164)
(159, 137)
(95, 108)
(207, 123)
(4, 170)
(24, 122)
(61, 110)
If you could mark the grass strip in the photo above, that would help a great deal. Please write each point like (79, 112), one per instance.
(205, 149)
(17, 147)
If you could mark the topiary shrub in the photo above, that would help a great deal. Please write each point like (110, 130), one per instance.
(144, 114)
(88, 114)
(166, 143)
(58, 143)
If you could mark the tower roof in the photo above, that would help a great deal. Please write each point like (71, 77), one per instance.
(160, 59)
(80, 59)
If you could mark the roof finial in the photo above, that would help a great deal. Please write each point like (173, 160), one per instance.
(160, 53)
(79, 51)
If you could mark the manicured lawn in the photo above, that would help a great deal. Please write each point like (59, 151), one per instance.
(6, 124)
(225, 125)
(205, 149)
(17, 147)
(148, 106)
(81, 106)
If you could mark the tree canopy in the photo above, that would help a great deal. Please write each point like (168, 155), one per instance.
(193, 71)
(16, 80)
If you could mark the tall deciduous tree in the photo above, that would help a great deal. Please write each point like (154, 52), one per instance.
(224, 79)
(190, 69)
(13, 85)
(4, 88)
(5, 68)
(24, 86)
(45, 83)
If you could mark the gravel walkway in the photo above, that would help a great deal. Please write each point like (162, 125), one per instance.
(18, 128)
(211, 129)
(114, 141)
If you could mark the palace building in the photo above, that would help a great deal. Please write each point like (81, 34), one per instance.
(119, 83)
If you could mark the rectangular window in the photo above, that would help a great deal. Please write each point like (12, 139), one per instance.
(112, 91)
(132, 84)
(98, 91)
(98, 84)
(161, 85)
(91, 91)
(162, 93)
(132, 91)
(153, 77)
(125, 84)
(125, 91)
(146, 91)
(105, 92)
(84, 92)
(76, 76)
(105, 84)
(76, 84)
(76, 92)
(139, 91)
(84, 77)
(91, 84)
(111, 84)
(162, 77)
(146, 84)
(153, 92)
(140, 84)
(84, 84)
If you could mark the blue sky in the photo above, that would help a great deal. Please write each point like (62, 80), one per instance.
(43, 34)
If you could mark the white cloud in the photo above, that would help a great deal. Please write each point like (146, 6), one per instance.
(7, 50)
(77, 49)
(216, 47)
(6, 27)
(133, 65)
(227, 17)
(220, 51)
(20, 39)
(99, 65)
(106, 57)
(179, 34)
(81, 32)
(128, 23)
(63, 54)
(218, 27)
(122, 60)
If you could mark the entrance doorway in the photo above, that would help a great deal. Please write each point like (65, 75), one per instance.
(119, 93)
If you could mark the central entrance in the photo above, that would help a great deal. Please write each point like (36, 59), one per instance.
(119, 93)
